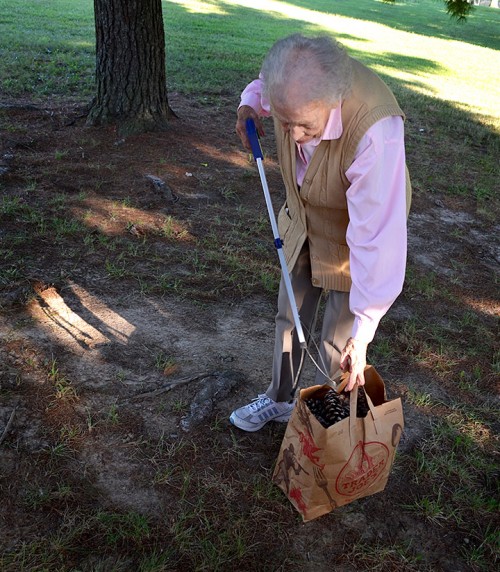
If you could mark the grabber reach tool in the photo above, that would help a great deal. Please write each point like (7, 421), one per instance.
(278, 243)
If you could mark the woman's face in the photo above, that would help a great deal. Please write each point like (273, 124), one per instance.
(304, 122)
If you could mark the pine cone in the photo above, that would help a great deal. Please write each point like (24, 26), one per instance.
(333, 406)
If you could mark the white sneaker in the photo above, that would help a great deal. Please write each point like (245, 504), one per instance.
(262, 409)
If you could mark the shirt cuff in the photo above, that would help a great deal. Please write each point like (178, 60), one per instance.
(252, 100)
(364, 330)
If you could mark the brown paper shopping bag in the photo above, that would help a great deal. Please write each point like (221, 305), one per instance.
(320, 469)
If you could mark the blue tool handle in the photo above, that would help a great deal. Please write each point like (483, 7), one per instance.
(254, 139)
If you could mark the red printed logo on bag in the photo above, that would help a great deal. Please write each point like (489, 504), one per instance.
(365, 465)
(296, 495)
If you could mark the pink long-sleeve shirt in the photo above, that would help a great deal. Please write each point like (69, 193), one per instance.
(376, 202)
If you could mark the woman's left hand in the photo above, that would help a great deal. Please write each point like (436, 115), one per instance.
(353, 359)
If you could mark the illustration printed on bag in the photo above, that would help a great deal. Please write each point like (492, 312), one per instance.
(287, 463)
(322, 483)
(365, 465)
(303, 415)
(309, 448)
(306, 438)
(296, 495)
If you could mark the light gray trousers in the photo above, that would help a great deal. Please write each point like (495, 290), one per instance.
(336, 329)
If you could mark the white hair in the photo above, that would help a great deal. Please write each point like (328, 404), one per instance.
(309, 69)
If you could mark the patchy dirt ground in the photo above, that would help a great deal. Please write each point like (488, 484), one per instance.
(128, 338)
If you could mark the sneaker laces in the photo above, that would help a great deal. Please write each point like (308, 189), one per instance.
(259, 403)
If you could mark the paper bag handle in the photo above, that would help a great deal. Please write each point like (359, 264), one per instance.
(353, 406)
(344, 379)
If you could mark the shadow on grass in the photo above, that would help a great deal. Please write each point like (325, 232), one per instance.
(481, 27)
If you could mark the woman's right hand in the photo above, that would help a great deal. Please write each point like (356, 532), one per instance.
(246, 112)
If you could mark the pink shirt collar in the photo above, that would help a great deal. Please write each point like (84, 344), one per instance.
(333, 128)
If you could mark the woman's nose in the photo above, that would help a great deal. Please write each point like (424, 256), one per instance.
(296, 133)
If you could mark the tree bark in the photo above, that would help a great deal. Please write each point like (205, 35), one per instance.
(131, 89)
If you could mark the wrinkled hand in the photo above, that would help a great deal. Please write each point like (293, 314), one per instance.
(353, 359)
(246, 112)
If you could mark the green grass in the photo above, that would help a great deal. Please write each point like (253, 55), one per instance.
(414, 45)
(47, 48)
(64, 390)
(455, 482)
(384, 556)
(441, 71)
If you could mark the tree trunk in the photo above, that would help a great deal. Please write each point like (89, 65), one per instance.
(131, 89)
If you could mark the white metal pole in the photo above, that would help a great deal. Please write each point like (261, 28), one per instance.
(278, 243)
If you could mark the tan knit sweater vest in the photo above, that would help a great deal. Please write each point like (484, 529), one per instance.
(318, 211)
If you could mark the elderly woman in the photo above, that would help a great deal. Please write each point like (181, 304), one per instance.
(340, 143)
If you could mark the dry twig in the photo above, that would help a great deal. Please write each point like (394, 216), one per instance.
(7, 427)
(168, 387)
